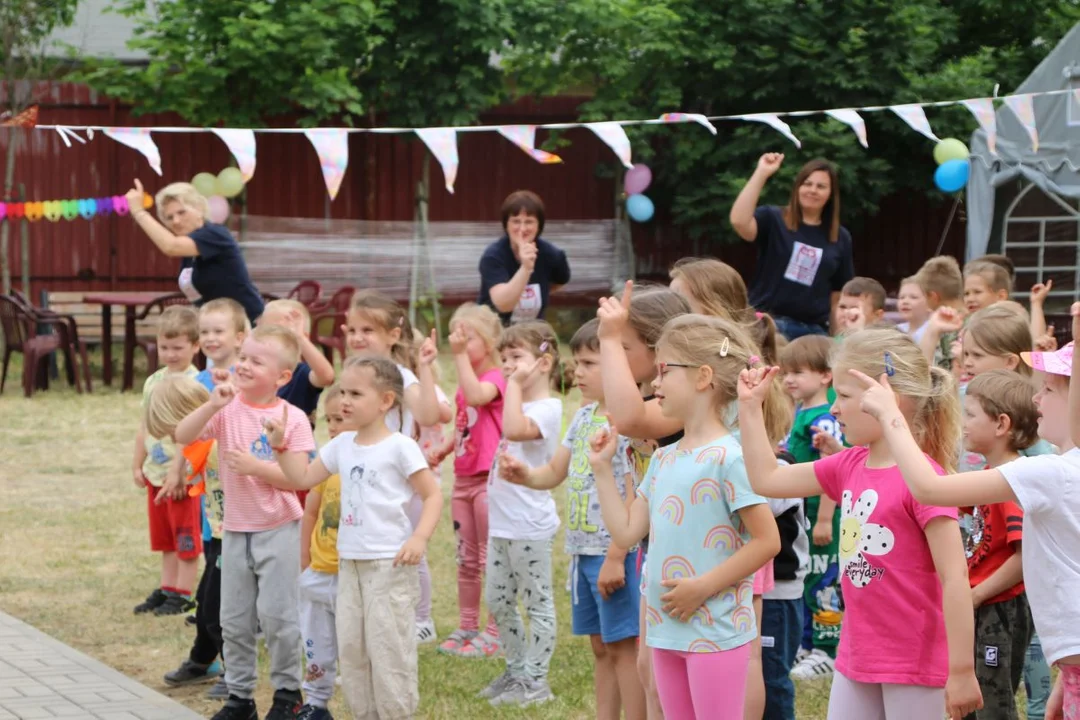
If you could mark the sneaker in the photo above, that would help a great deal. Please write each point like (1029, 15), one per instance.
(483, 645)
(457, 640)
(815, 666)
(174, 605)
(152, 602)
(425, 632)
(524, 692)
(191, 620)
(217, 668)
(190, 673)
(220, 690)
(802, 652)
(497, 687)
(311, 712)
(237, 709)
(287, 704)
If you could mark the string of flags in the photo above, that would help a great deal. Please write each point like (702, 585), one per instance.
(332, 147)
(54, 210)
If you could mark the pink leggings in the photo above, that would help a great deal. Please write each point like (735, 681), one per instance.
(469, 510)
(690, 685)
(881, 701)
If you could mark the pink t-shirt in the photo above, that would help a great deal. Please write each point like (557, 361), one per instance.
(251, 505)
(894, 625)
(477, 430)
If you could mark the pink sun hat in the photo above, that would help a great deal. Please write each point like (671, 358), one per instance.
(1058, 362)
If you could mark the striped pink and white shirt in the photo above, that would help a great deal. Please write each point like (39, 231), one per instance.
(252, 505)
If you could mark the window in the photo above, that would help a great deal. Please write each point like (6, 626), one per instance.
(1041, 236)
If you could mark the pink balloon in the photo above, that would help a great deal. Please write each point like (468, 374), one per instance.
(637, 179)
(219, 209)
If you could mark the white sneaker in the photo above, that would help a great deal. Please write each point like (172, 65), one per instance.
(815, 666)
(425, 632)
(524, 692)
(803, 652)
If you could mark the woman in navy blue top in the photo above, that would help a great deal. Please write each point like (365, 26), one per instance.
(212, 265)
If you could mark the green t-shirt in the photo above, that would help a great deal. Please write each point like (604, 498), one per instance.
(800, 442)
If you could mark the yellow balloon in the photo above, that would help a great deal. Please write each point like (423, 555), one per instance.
(205, 183)
(230, 182)
(950, 149)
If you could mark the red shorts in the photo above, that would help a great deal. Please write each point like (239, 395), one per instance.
(302, 496)
(175, 525)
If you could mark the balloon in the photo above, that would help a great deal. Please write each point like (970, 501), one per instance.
(230, 182)
(219, 209)
(639, 208)
(147, 201)
(205, 183)
(637, 179)
(950, 149)
(952, 175)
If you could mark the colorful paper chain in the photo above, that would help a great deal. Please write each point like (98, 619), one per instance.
(86, 208)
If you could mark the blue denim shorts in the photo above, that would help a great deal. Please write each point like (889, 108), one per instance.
(614, 619)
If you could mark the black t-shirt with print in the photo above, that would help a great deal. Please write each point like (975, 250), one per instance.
(219, 270)
(498, 265)
(797, 271)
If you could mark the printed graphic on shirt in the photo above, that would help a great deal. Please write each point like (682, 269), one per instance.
(975, 528)
(829, 425)
(357, 479)
(464, 421)
(804, 263)
(331, 516)
(260, 449)
(859, 538)
(529, 304)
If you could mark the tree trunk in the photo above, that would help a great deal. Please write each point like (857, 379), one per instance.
(5, 226)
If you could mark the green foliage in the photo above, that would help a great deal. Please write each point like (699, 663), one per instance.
(25, 26)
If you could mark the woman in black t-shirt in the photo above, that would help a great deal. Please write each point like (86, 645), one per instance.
(804, 254)
(212, 265)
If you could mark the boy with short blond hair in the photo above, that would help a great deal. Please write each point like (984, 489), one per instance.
(175, 525)
(862, 303)
(943, 284)
(223, 325)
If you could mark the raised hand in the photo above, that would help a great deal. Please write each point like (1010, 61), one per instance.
(523, 373)
(1039, 292)
(946, 320)
(134, 197)
(219, 376)
(602, 445)
(223, 395)
(429, 349)
(275, 429)
(878, 399)
(769, 163)
(458, 339)
(528, 252)
(614, 313)
(755, 383)
(1046, 342)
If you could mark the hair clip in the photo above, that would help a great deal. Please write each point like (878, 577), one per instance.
(752, 361)
(725, 347)
(544, 346)
(889, 369)
(758, 314)
(401, 322)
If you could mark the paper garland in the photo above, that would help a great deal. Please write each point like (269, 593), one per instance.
(983, 110)
(853, 120)
(524, 136)
(442, 142)
(241, 144)
(914, 116)
(54, 210)
(138, 139)
(614, 137)
(1024, 110)
(677, 117)
(332, 147)
(774, 122)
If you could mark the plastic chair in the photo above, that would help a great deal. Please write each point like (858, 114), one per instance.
(71, 345)
(20, 327)
(308, 292)
(149, 345)
(336, 310)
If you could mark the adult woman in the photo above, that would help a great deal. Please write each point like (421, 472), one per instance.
(519, 271)
(804, 254)
(212, 265)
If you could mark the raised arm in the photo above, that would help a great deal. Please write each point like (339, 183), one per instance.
(742, 212)
(424, 403)
(476, 393)
(168, 243)
(517, 426)
(628, 522)
(545, 477)
(190, 428)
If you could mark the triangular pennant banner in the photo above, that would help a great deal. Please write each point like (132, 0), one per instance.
(914, 116)
(524, 136)
(614, 137)
(1024, 110)
(983, 110)
(853, 120)
(332, 147)
(689, 117)
(138, 139)
(774, 122)
(442, 142)
(241, 144)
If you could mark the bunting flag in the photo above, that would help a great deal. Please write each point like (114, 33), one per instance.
(332, 147)
(241, 144)
(914, 116)
(26, 119)
(775, 123)
(524, 136)
(138, 139)
(614, 137)
(983, 110)
(442, 142)
(1024, 110)
(677, 117)
(853, 120)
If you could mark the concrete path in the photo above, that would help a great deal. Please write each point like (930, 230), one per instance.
(40, 677)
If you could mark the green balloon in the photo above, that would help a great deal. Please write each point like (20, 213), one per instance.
(205, 183)
(230, 182)
(950, 149)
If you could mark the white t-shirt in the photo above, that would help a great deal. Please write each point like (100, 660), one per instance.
(1048, 488)
(375, 493)
(521, 513)
(393, 418)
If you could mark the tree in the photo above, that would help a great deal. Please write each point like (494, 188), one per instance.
(25, 27)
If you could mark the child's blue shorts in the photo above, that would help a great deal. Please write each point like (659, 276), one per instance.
(614, 619)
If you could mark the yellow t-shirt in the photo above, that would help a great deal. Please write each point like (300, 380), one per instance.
(202, 465)
(324, 555)
(159, 451)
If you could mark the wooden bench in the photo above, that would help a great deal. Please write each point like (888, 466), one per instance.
(88, 316)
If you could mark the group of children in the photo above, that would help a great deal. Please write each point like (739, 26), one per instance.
(740, 510)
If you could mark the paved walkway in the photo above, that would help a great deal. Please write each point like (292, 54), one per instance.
(42, 678)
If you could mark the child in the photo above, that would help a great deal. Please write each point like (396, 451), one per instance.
(984, 284)
(223, 325)
(175, 524)
(943, 286)
(314, 372)
(261, 544)
(709, 532)
(474, 341)
(603, 575)
(807, 379)
(862, 303)
(902, 562)
(1000, 420)
(378, 548)
(911, 302)
(522, 522)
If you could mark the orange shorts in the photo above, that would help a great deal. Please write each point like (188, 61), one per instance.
(175, 525)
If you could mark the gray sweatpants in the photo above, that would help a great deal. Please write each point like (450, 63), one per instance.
(521, 569)
(259, 573)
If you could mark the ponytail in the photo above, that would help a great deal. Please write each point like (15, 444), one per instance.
(939, 427)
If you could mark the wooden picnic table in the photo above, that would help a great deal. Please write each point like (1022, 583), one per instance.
(131, 302)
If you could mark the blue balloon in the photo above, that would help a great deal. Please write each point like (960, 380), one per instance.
(639, 208)
(952, 175)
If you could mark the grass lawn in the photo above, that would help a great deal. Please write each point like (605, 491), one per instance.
(74, 560)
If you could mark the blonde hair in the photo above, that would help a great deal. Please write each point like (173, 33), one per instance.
(172, 400)
(650, 309)
(1000, 331)
(484, 322)
(1012, 306)
(288, 306)
(538, 339)
(384, 311)
(1002, 392)
(183, 193)
(996, 276)
(235, 311)
(935, 403)
(284, 338)
(385, 375)
(941, 275)
(178, 321)
(332, 393)
(728, 349)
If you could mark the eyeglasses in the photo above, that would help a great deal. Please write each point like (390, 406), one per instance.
(662, 368)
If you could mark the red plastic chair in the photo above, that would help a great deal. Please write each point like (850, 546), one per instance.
(70, 344)
(308, 292)
(149, 345)
(336, 310)
(20, 327)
